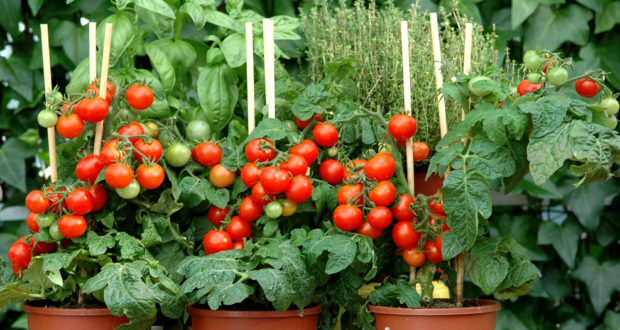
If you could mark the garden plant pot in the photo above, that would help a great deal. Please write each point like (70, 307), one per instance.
(206, 319)
(427, 187)
(479, 317)
(50, 318)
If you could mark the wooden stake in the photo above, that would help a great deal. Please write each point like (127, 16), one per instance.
(92, 50)
(103, 82)
(270, 92)
(47, 78)
(443, 125)
(249, 56)
(467, 54)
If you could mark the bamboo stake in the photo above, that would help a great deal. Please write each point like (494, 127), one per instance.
(92, 50)
(467, 54)
(443, 125)
(103, 82)
(249, 55)
(268, 41)
(47, 78)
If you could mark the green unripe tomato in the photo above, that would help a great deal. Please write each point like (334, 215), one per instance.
(478, 91)
(612, 123)
(534, 77)
(611, 105)
(273, 209)
(178, 154)
(198, 130)
(557, 76)
(47, 118)
(533, 61)
(291, 126)
(55, 233)
(130, 191)
(45, 219)
(54, 97)
(332, 152)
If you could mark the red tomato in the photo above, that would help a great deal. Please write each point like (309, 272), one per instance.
(303, 123)
(216, 215)
(133, 129)
(93, 110)
(111, 153)
(221, 177)
(54, 200)
(380, 217)
(299, 189)
(383, 194)
(139, 97)
(404, 235)
(325, 134)
(349, 174)
(110, 90)
(433, 250)
(69, 126)
(238, 229)
(238, 245)
(307, 149)
(351, 194)
(274, 180)
(88, 168)
(367, 230)
(31, 222)
(437, 207)
(259, 195)
(256, 151)
(413, 257)
(72, 226)
(152, 150)
(207, 154)
(20, 254)
(296, 164)
(402, 127)
(216, 241)
(36, 201)
(420, 151)
(249, 210)
(118, 175)
(380, 167)
(587, 87)
(347, 217)
(80, 201)
(250, 174)
(525, 86)
(150, 177)
(100, 196)
(43, 247)
(331, 171)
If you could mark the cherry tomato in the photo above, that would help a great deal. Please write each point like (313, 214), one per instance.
(307, 149)
(80, 201)
(47, 118)
(207, 154)
(54, 200)
(139, 97)
(351, 194)
(111, 153)
(611, 105)
(134, 128)
(413, 257)
(381, 167)
(178, 154)
(587, 87)
(216, 241)
(273, 210)
(42, 247)
(259, 195)
(383, 194)
(249, 210)
(256, 151)
(274, 180)
(72, 226)
(238, 229)
(433, 250)
(100, 196)
(109, 88)
(288, 207)
(404, 235)
(557, 76)
(304, 123)
(20, 254)
(151, 150)
(325, 134)
(221, 177)
(88, 168)
(69, 126)
(299, 189)
(36, 201)
(475, 90)
(437, 207)
(55, 233)
(118, 175)
(198, 130)
(420, 151)
(402, 127)
(129, 191)
(31, 222)
(238, 245)
(296, 165)
(93, 110)
(150, 177)
(349, 174)
(347, 217)
(525, 86)
(44, 220)
(250, 174)
(533, 60)
(153, 127)
(216, 215)
(367, 230)
(380, 217)
(331, 171)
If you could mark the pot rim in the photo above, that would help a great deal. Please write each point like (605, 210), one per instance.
(67, 311)
(486, 306)
(253, 314)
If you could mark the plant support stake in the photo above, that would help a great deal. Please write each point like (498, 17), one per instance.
(103, 82)
(270, 93)
(441, 107)
(249, 56)
(47, 78)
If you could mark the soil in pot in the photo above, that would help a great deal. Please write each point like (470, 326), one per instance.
(477, 315)
(42, 316)
(206, 319)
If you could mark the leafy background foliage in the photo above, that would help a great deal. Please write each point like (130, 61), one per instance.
(572, 235)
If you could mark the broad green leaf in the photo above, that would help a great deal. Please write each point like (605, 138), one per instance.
(564, 238)
(308, 102)
(9, 16)
(547, 153)
(521, 10)
(218, 94)
(595, 5)
(13, 170)
(131, 247)
(547, 112)
(192, 190)
(162, 26)
(284, 27)
(608, 48)
(550, 28)
(601, 280)
(155, 225)
(162, 65)
(35, 5)
(556, 283)
(292, 263)
(181, 54)
(341, 253)
(608, 17)
(395, 295)
(491, 160)
(272, 129)
(588, 201)
(596, 147)
(519, 279)
(233, 48)
(612, 319)
(99, 244)
(485, 266)
(443, 158)
(156, 6)
(277, 287)
(122, 35)
(16, 73)
(166, 204)
(220, 19)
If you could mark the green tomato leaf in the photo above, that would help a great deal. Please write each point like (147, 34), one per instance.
(307, 103)
(341, 253)
(490, 159)
(277, 287)
(549, 28)
(485, 266)
(548, 153)
(607, 17)
(600, 279)
(99, 244)
(155, 226)
(131, 247)
(521, 10)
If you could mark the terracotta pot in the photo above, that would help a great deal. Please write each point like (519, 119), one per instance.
(429, 187)
(480, 317)
(206, 319)
(50, 318)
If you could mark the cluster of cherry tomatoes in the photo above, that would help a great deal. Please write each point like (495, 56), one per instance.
(21, 252)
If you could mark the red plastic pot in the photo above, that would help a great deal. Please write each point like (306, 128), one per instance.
(50, 318)
(479, 317)
(427, 187)
(206, 319)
